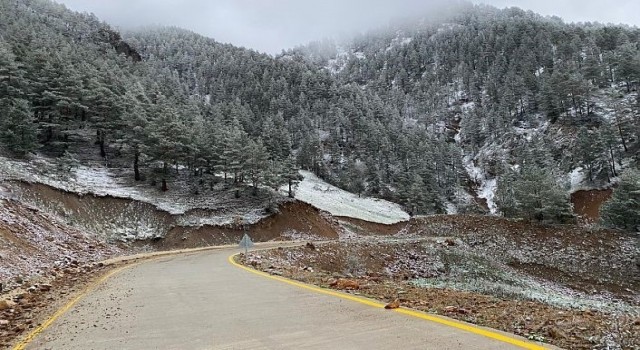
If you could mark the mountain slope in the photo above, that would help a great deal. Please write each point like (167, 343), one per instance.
(508, 87)
(458, 112)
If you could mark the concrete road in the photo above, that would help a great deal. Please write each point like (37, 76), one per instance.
(201, 301)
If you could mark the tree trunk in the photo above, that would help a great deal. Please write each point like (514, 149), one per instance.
(290, 191)
(136, 168)
(100, 137)
(611, 74)
(624, 143)
(165, 188)
(613, 162)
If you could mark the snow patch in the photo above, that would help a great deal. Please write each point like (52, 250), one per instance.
(101, 181)
(487, 187)
(338, 202)
(576, 177)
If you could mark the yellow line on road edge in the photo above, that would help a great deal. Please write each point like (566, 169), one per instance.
(433, 318)
(29, 338)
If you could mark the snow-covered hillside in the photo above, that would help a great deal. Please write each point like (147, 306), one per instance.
(104, 182)
(338, 202)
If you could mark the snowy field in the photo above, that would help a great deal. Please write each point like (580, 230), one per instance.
(324, 196)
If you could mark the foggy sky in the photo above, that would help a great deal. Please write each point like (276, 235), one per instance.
(272, 25)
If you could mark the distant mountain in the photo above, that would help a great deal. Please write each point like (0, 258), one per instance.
(472, 109)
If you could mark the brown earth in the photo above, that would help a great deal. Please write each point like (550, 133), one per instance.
(35, 301)
(294, 220)
(587, 203)
(33, 242)
(366, 228)
(599, 259)
(386, 271)
(584, 259)
(102, 215)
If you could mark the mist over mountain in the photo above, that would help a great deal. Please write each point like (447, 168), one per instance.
(466, 109)
(275, 25)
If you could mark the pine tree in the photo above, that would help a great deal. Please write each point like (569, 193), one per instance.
(587, 151)
(290, 175)
(18, 132)
(134, 135)
(12, 80)
(537, 195)
(623, 209)
(257, 163)
(505, 193)
(628, 62)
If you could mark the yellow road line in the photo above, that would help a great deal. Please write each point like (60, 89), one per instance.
(433, 318)
(144, 257)
(29, 338)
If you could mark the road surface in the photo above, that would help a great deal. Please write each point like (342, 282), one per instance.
(201, 301)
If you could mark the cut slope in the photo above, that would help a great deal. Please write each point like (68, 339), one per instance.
(33, 242)
(118, 183)
(296, 220)
(338, 202)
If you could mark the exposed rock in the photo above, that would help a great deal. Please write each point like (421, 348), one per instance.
(393, 305)
(458, 310)
(7, 304)
(344, 284)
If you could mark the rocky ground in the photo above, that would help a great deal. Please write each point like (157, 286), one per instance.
(36, 246)
(445, 275)
(25, 307)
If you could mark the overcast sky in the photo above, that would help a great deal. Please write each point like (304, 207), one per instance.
(273, 25)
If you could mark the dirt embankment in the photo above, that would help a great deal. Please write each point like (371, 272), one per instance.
(602, 260)
(587, 260)
(106, 217)
(295, 220)
(366, 228)
(35, 243)
(117, 219)
(587, 203)
(43, 230)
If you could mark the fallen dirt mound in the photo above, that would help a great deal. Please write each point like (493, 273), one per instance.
(296, 220)
(586, 204)
(36, 300)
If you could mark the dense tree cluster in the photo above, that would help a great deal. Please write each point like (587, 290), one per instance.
(515, 85)
(397, 113)
(623, 210)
